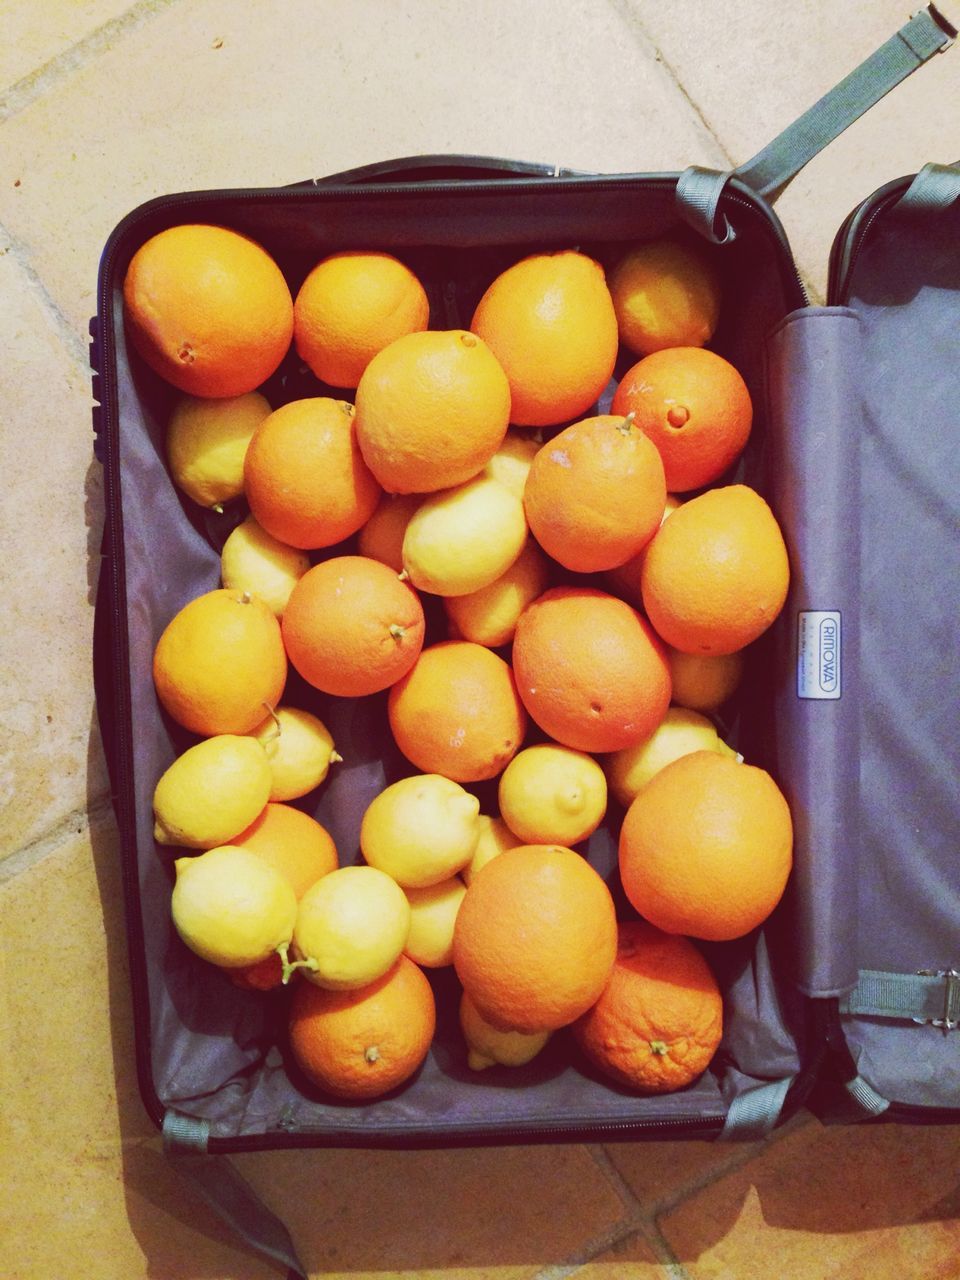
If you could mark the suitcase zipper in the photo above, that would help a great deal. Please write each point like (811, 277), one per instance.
(852, 236)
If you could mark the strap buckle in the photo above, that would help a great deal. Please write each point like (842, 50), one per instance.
(949, 1019)
(946, 25)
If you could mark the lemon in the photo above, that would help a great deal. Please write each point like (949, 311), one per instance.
(253, 560)
(489, 616)
(495, 837)
(207, 443)
(351, 927)
(433, 914)
(231, 907)
(551, 794)
(381, 538)
(703, 681)
(420, 830)
(462, 539)
(211, 792)
(678, 734)
(666, 293)
(510, 464)
(488, 1046)
(299, 751)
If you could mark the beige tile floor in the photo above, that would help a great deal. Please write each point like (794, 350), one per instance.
(104, 105)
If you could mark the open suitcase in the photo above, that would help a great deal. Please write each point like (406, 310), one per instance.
(847, 997)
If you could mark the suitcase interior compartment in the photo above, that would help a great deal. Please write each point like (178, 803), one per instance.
(903, 282)
(218, 1053)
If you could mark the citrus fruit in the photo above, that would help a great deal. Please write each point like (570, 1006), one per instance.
(624, 579)
(304, 477)
(207, 442)
(549, 794)
(511, 463)
(432, 410)
(462, 539)
(211, 792)
(595, 494)
(433, 914)
(208, 309)
(678, 734)
(351, 627)
(489, 616)
(666, 293)
(381, 538)
(264, 975)
(420, 830)
(716, 573)
(292, 842)
(351, 926)
(701, 681)
(535, 938)
(299, 751)
(706, 847)
(220, 662)
(457, 712)
(495, 837)
(549, 320)
(252, 560)
(489, 1046)
(232, 908)
(350, 306)
(696, 409)
(358, 1045)
(659, 1019)
(589, 669)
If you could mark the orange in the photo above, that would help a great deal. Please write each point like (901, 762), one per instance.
(304, 477)
(702, 682)
(595, 494)
(706, 847)
(293, 842)
(624, 579)
(659, 1019)
(432, 410)
(589, 669)
(535, 938)
(351, 627)
(362, 1043)
(549, 320)
(666, 293)
(208, 309)
(265, 975)
(457, 712)
(716, 574)
(219, 662)
(381, 538)
(352, 305)
(696, 409)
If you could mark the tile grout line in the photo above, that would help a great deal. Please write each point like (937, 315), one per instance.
(26, 90)
(75, 345)
(74, 824)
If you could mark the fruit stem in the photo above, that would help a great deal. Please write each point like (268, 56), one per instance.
(371, 1053)
(277, 726)
(403, 575)
(659, 1047)
(217, 507)
(397, 631)
(245, 597)
(289, 965)
(336, 757)
(627, 423)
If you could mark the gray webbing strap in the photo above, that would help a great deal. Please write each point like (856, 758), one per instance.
(769, 171)
(935, 188)
(930, 996)
(866, 1097)
(754, 1113)
(185, 1142)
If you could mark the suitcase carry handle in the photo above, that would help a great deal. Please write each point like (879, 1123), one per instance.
(441, 168)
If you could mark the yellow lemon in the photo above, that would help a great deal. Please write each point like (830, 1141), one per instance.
(666, 293)
(351, 927)
(231, 907)
(462, 539)
(299, 751)
(495, 837)
(489, 616)
(211, 792)
(702, 681)
(680, 733)
(420, 830)
(381, 538)
(207, 443)
(510, 464)
(551, 794)
(433, 914)
(253, 560)
(488, 1046)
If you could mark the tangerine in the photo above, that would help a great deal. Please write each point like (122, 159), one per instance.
(293, 842)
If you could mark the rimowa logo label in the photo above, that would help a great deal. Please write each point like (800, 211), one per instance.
(819, 653)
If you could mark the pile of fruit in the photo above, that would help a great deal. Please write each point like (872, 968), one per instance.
(599, 583)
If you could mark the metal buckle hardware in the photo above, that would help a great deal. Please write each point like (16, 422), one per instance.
(951, 998)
